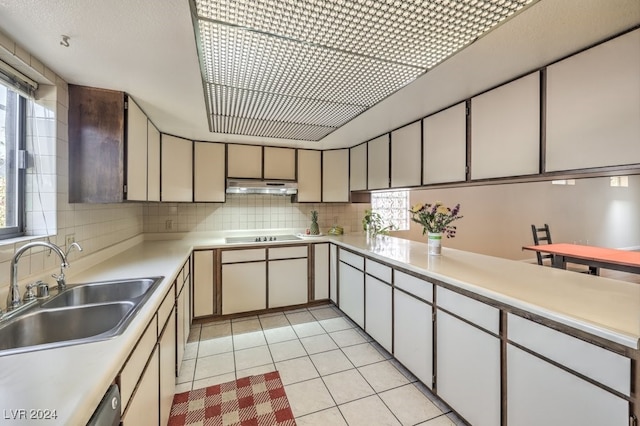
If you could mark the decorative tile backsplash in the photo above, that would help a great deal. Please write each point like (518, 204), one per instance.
(242, 212)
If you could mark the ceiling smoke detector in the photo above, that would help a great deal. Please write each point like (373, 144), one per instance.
(301, 69)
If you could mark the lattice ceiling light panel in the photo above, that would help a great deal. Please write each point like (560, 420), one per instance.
(299, 69)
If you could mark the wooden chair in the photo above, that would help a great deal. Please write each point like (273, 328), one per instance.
(543, 236)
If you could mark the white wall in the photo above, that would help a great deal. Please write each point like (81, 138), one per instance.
(497, 218)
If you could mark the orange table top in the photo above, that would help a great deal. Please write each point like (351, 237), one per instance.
(620, 257)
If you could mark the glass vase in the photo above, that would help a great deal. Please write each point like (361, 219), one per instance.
(434, 243)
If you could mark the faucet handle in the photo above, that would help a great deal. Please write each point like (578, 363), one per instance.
(29, 294)
(60, 280)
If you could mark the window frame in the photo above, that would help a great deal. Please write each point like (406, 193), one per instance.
(20, 173)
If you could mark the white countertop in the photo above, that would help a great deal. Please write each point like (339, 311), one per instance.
(604, 307)
(73, 379)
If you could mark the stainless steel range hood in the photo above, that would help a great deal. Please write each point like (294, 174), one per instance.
(256, 186)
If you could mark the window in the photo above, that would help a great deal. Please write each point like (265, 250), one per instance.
(12, 140)
(393, 206)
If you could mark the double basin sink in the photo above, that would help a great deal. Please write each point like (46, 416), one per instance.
(82, 313)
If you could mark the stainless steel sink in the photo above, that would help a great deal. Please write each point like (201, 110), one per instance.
(82, 313)
(101, 292)
(57, 327)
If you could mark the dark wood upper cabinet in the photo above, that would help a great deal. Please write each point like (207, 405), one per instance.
(96, 145)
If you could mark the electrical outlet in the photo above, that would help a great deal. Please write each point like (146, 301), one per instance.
(168, 225)
(70, 239)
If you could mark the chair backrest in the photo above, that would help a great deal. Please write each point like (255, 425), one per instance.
(542, 236)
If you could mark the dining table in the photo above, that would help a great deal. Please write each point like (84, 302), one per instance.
(594, 257)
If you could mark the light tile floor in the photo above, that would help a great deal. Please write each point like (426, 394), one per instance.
(334, 374)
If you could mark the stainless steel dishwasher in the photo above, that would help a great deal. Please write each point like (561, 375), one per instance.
(108, 411)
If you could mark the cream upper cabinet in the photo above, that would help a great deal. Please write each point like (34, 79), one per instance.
(153, 162)
(444, 154)
(406, 165)
(505, 130)
(335, 176)
(358, 167)
(136, 152)
(378, 163)
(309, 176)
(279, 163)
(593, 112)
(244, 161)
(208, 172)
(177, 169)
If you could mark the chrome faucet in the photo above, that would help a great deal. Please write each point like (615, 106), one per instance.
(13, 298)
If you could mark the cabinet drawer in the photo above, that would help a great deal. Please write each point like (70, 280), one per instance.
(352, 259)
(288, 252)
(604, 366)
(476, 312)
(132, 370)
(234, 256)
(165, 308)
(415, 286)
(378, 270)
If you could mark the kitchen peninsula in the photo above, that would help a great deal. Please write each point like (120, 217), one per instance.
(502, 342)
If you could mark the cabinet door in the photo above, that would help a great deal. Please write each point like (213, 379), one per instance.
(335, 176)
(244, 161)
(144, 406)
(505, 130)
(167, 346)
(413, 336)
(321, 271)
(208, 172)
(153, 162)
(444, 155)
(468, 370)
(333, 273)
(288, 282)
(406, 149)
(309, 176)
(539, 393)
(593, 112)
(96, 145)
(203, 283)
(244, 287)
(352, 292)
(279, 163)
(378, 163)
(358, 167)
(177, 169)
(180, 329)
(378, 312)
(136, 152)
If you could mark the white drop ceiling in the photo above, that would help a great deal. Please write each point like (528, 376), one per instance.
(148, 49)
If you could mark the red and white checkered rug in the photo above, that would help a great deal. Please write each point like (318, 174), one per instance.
(251, 401)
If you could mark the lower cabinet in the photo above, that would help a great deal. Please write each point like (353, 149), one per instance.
(539, 393)
(140, 410)
(333, 273)
(183, 313)
(288, 276)
(203, 283)
(166, 344)
(468, 370)
(147, 380)
(413, 335)
(379, 312)
(320, 271)
(288, 282)
(351, 292)
(244, 287)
